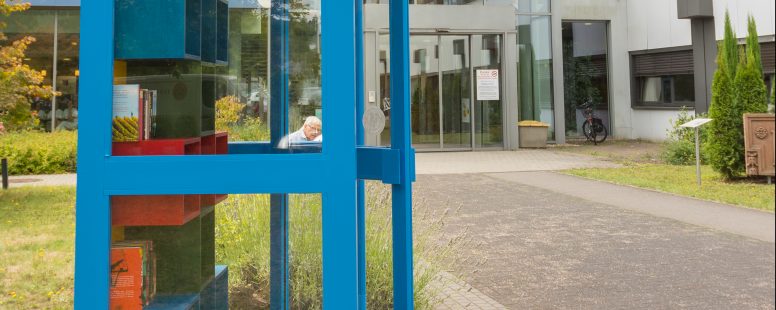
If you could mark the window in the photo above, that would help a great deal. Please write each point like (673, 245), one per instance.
(663, 79)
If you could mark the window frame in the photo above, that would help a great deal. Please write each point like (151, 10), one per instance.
(635, 86)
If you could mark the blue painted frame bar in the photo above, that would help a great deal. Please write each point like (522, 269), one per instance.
(400, 140)
(338, 69)
(361, 203)
(92, 236)
(279, 67)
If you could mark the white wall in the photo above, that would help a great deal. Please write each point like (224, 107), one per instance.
(654, 24)
(653, 124)
(761, 10)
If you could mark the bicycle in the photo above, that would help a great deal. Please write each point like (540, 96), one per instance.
(593, 127)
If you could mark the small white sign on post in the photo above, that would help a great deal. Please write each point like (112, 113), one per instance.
(487, 85)
(696, 124)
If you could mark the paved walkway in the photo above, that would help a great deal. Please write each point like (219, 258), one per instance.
(552, 241)
(42, 180)
(503, 161)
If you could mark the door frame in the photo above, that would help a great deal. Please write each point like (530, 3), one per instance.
(503, 79)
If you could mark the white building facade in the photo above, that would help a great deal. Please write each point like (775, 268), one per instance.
(641, 62)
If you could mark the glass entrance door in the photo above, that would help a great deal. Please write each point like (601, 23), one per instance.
(445, 112)
(456, 115)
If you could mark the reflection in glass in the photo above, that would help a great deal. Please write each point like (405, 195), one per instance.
(535, 70)
(488, 117)
(424, 91)
(585, 73)
(68, 40)
(384, 72)
(456, 92)
(533, 6)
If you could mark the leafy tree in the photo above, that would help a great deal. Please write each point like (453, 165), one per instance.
(736, 90)
(729, 47)
(18, 82)
(753, 45)
(725, 137)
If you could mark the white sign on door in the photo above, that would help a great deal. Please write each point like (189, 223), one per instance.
(487, 85)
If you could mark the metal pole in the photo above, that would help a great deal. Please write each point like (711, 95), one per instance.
(400, 140)
(54, 74)
(697, 155)
(361, 196)
(4, 163)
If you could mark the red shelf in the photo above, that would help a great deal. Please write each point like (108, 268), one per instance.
(166, 210)
(163, 210)
(190, 146)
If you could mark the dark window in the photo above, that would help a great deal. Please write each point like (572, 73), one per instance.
(663, 78)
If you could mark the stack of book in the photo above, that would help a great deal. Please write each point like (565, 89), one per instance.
(133, 274)
(134, 113)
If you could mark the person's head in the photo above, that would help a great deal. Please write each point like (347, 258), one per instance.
(312, 128)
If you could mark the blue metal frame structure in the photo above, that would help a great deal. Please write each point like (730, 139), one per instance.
(254, 168)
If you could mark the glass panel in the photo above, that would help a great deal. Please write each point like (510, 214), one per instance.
(38, 24)
(217, 248)
(424, 91)
(669, 90)
(488, 116)
(246, 75)
(68, 39)
(456, 91)
(305, 99)
(585, 73)
(533, 6)
(684, 88)
(534, 49)
(384, 72)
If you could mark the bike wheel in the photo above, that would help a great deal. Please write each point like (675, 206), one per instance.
(587, 130)
(599, 133)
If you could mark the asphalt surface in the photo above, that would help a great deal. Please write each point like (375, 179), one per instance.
(545, 249)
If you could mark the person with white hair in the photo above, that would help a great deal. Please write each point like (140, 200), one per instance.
(310, 132)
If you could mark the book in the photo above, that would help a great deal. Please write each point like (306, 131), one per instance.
(133, 275)
(134, 113)
(126, 113)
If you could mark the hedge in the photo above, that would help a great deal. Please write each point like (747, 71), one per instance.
(34, 152)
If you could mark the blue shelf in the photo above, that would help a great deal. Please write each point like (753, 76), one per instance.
(158, 29)
(222, 36)
(215, 296)
(209, 30)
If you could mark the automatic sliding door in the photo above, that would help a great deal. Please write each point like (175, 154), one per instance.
(456, 92)
(424, 91)
(488, 116)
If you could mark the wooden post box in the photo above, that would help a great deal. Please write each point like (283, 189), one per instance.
(759, 142)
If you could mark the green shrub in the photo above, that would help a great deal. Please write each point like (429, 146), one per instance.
(680, 145)
(248, 129)
(34, 152)
(227, 112)
(242, 242)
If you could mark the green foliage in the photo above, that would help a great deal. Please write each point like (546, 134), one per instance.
(680, 180)
(249, 129)
(227, 112)
(242, 242)
(729, 48)
(18, 82)
(750, 91)
(33, 152)
(753, 46)
(680, 145)
(725, 141)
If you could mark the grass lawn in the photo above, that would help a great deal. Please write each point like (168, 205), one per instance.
(36, 247)
(681, 180)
